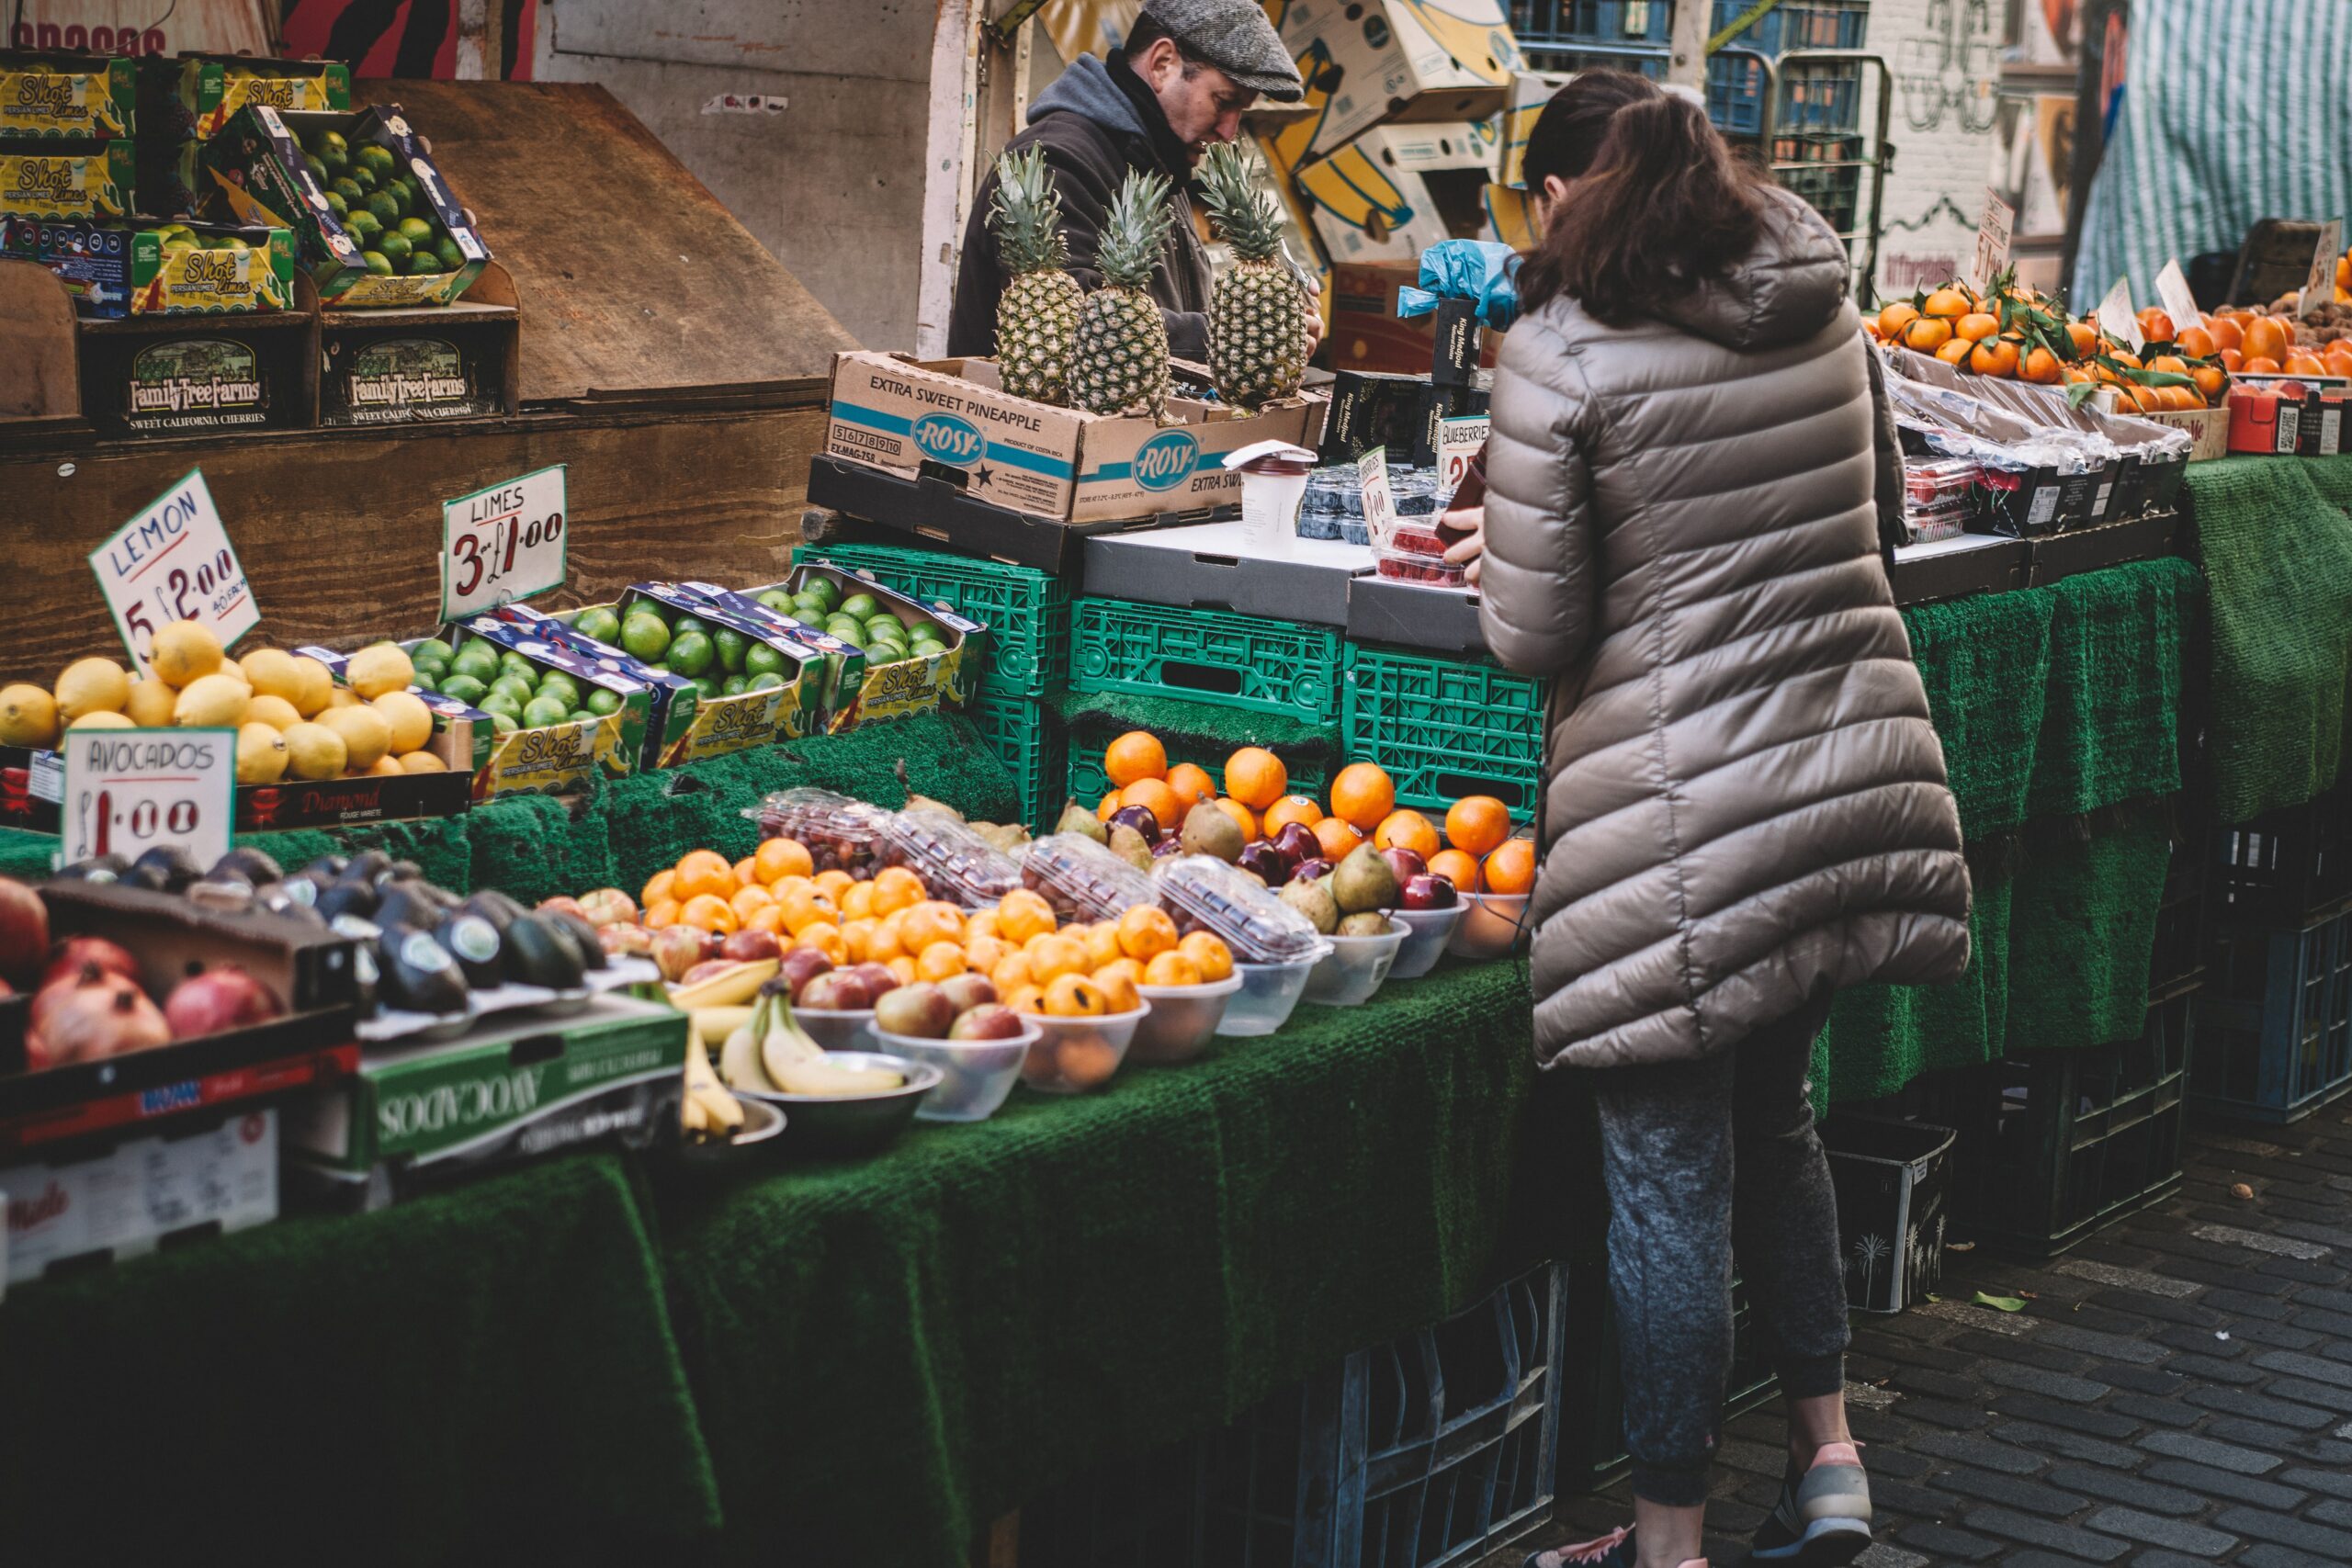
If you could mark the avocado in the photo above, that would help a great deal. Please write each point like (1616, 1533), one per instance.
(351, 895)
(167, 868)
(475, 944)
(326, 868)
(97, 868)
(417, 975)
(494, 907)
(366, 866)
(407, 904)
(251, 864)
(536, 956)
(580, 933)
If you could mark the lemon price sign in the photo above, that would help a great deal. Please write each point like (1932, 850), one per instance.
(174, 562)
(128, 791)
(504, 543)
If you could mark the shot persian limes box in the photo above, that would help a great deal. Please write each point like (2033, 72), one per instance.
(376, 222)
(919, 658)
(845, 659)
(45, 96)
(669, 717)
(143, 268)
(67, 179)
(211, 88)
(594, 719)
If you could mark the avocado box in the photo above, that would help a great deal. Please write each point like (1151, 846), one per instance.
(257, 166)
(917, 684)
(844, 660)
(211, 88)
(722, 723)
(950, 418)
(669, 717)
(115, 270)
(510, 1090)
(84, 97)
(86, 179)
(551, 759)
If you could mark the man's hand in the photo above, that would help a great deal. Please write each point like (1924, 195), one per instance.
(1470, 521)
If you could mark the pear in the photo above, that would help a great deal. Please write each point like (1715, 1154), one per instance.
(1211, 830)
(1363, 882)
(1076, 819)
(1129, 846)
(1314, 900)
(1372, 922)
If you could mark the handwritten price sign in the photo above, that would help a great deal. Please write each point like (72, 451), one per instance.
(128, 791)
(172, 562)
(502, 544)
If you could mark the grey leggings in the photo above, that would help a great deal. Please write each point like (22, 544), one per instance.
(1702, 1158)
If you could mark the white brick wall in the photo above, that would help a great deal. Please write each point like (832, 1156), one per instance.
(1943, 57)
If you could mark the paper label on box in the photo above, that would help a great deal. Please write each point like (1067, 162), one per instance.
(1992, 241)
(2319, 284)
(2099, 502)
(504, 543)
(2289, 418)
(2172, 289)
(1379, 502)
(2118, 319)
(172, 562)
(2331, 423)
(128, 791)
(125, 1202)
(1458, 441)
(2044, 507)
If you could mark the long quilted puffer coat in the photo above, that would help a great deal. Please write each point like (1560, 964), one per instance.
(1744, 803)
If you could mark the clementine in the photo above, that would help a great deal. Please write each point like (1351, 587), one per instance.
(663, 912)
(2266, 338)
(1075, 996)
(701, 872)
(896, 888)
(1209, 954)
(710, 911)
(2258, 365)
(1951, 302)
(1102, 939)
(2155, 325)
(1336, 836)
(1029, 999)
(1172, 969)
(1477, 823)
(1363, 795)
(1895, 317)
(939, 961)
(746, 872)
(2232, 360)
(1146, 932)
(1107, 806)
(2225, 333)
(1138, 754)
(901, 968)
(2041, 367)
(1301, 809)
(1255, 777)
(1406, 830)
(780, 858)
(1156, 797)
(657, 891)
(1975, 325)
(1956, 351)
(933, 920)
(1118, 980)
(1057, 955)
(1247, 818)
(1511, 868)
(1457, 866)
(2197, 342)
(1928, 334)
(1994, 356)
(2085, 337)
(1010, 973)
(1021, 914)
(749, 901)
(1190, 783)
(826, 938)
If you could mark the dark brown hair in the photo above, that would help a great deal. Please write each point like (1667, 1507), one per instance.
(1663, 206)
(1569, 133)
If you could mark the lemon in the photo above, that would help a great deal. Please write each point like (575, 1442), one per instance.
(343, 697)
(102, 718)
(261, 754)
(313, 751)
(27, 715)
(92, 686)
(275, 712)
(273, 672)
(423, 763)
(211, 701)
(183, 651)
(387, 767)
(317, 689)
(367, 733)
(151, 703)
(379, 668)
(411, 720)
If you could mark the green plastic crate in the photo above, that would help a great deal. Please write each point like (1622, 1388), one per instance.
(1088, 783)
(1027, 611)
(1034, 745)
(1209, 656)
(1446, 727)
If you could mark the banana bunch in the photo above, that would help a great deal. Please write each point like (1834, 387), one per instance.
(708, 1107)
(771, 1053)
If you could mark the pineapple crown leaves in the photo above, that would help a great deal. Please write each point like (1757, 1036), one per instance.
(1134, 231)
(1248, 221)
(1024, 214)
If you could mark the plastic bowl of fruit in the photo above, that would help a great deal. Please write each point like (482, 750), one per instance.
(1493, 924)
(1073, 1055)
(841, 1028)
(852, 1124)
(1355, 968)
(1427, 931)
(1181, 1019)
(1269, 992)
(976, 1075)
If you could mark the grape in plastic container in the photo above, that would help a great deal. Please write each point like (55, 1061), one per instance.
(1205, 894)
(954, 863)
(1082, 880)
(838, 833)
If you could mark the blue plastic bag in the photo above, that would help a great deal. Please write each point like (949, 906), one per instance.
(1477, 270)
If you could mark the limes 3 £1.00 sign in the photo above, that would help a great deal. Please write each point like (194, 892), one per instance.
(502, 544)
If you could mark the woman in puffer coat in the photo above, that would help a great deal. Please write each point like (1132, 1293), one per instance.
(1745, 805)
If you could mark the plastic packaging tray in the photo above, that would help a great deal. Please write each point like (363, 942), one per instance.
(953, 861)
(838, 833)
(1082, 880)
(1412, 566)
(1203, 893)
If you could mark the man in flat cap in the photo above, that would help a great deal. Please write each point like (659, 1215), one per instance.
(1187, 70)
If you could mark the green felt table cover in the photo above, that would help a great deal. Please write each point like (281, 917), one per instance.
(2278, 551)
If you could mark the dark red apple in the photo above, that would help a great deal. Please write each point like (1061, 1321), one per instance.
(1407, 863)
(1268, 863)
(836, 991)
(917, 1011)
(1167, 847)
(1311, 870)
(75, 951)
(747, 947)
(1429, 892)
(1140, 818)
(989, 1021)
(1296, 840)
(799, 967)
(24, 932)
(876, 976)
(965, 992)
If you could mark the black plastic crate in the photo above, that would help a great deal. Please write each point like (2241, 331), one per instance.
(2176, 965)
(2275, 1022)
(2287, 868)
(1427, 1452)
(1893, 1185)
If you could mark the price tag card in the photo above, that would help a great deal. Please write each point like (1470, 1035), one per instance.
(1992, 241)
(1458, 441)
(2118, 319)
(2172, 289)
(128, 791)
(2319, 284)
(172, 562)
(1379, 503)
(502, 544)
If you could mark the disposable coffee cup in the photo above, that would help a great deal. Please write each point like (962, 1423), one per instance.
(1273, 482)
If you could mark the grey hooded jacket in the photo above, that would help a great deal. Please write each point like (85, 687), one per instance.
(1744, 800)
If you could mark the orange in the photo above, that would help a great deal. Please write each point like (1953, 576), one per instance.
(2041, 367)
(930, 922)
(1337, 838)
(826, 938)
(1241, 814)
(1118, 982)
(1871, 330)
(834, 883)
(1511, 868)
(783, 886)
(1994, 356)
(1024, 999)
(1021, 914)
(2339, 359)
(1012, 972)
(2232, 360)
(2267, 339)
(2085, 337)
(1947, 302)
(1209, 954)
(750, 901)
(2170, 363)
(662, 913)
(983, 954)
(783, 857)
(901, 968)
(1191, 784)
(1895, 317)
(1255, 777)
(1363, 795)
(857, 936)
(1457, 867)
(1172, 969)
(703, 872)
(658, 890)
(802, 911)
(896, 888)
(2181, 397)
(2211, 380)
(2302, 362)
(1138, 754)
(746, 872)
(2343, 270)
(981, 922)
(2155, 326)
(2076, 375)
(1477, 823)
(1102, 939)
(857, 904)
(710, 911)
(1956, 351)
(1058, 955)
(1928, 334)
(939, 961)
(1976, 325)
(2257, 365)
(1075, 996)
(1106, 806)
(2124, 357)
(2197, 342)
(1155, 796)
(1146, 932)
(2225, 333)
(1292, 808)
(1406, 830)
(768, 919)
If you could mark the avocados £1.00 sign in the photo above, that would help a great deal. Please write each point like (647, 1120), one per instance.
(174, 562)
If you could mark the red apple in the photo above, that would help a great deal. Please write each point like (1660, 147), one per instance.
(919, 1011)
(989, 1021)
(965, 992)
(877, 978)
(75, 951)
(624, 940)
(1296, 840)
(799, 967)
(564, 904)
(1265, 862)
(220, 998)
(835, 990)
(1407, 863)
(746, 947)
(1427, 891)
(608, 907)
(24, 932)
(677, 949)
(1311, 870)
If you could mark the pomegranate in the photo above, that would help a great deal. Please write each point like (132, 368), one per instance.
(24, 932)
(220, 998)
(92, 1018)
(76, 952)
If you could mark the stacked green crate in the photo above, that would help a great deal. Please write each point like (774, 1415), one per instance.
(1445, 727)
(1206, 656)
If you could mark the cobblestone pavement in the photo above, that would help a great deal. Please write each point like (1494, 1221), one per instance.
(2177, 1392)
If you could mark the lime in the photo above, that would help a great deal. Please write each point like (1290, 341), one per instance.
(498, 702)
(875, 623)
(706, 688)
(463, 688)
(394, 243)
(362, 224)
(504, 724)
(845, 628)
(730, 644)
(769, 683)
(824, 587)
(667, 615)
(475, 665)
(451, 256)
(581, 716)
(514, 686)
(601, 701)
(597, 622)
(330, 144)
(423, 264)
(555, 684)
(810, 610)
(362, 176)
(403, 190)
(761, 660)
(691, 653)
(433, 648)
(429, 671)
(348, 189)
(732, 687)
(686, 624)
(542, 713)
(644, 636)
(513, 664)
(336, 204)
(884, 653)
(373, 156)
(386, 206)
(481, 644)
(317, 167)
(416, 232)
(776, 599)
(860, 606)
(378, 263)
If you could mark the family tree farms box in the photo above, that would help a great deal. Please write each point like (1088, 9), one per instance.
(897, 414)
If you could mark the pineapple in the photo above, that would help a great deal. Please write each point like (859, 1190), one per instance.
(1036, 315)
(1119, 364)
(1257, 313)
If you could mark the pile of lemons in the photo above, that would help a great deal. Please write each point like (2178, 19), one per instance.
(291, 719)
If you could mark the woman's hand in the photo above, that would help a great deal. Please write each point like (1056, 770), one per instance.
(1471, 522)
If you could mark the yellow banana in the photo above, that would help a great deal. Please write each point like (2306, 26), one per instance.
(706, 1096)
(823, 1078)
(712, 1025)
(730, 988)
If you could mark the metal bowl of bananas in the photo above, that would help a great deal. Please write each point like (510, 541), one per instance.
(862, 1102)
(755, 1134)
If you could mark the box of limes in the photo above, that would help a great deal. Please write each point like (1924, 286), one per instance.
(45, 96)
(919, 658)
(750, 689)
(147, 269)
(376, 222)
(593, 633)
(557, 717)
(212, 88)
(67, 179)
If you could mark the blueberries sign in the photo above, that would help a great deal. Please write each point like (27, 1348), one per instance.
(947, 438)
(1166, 460)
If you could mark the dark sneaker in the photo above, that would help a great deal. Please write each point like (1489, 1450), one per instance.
(1824, 1520)
(1614, 1550)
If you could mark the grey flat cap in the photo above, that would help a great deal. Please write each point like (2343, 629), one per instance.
(1234, 37)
